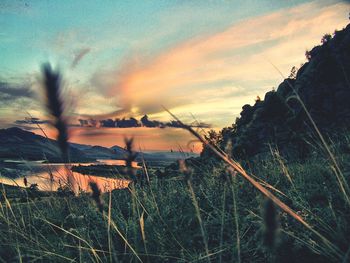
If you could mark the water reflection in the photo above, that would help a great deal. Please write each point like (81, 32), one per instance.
(49, 177)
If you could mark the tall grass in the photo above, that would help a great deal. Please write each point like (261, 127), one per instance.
(66, 229)
(80, 227)
(52, 83)
(271, 211)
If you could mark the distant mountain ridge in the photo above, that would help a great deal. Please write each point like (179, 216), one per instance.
(100, 152)
(16, 143)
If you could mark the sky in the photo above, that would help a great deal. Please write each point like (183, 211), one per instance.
(199, 59)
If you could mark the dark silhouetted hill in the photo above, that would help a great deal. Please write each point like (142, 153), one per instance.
(16, 143)
(323, 85)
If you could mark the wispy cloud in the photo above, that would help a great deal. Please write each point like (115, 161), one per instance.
(12, 92)
(225, 68)
(14, 6)
(79, 56)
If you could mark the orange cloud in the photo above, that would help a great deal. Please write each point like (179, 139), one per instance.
(194, 74)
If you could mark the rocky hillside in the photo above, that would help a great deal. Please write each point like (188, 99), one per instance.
(322, 84)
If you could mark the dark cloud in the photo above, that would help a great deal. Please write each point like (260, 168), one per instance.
(31, 121)
(90, 132)
(134, 123)
(12, 92)
(88, 122)
(79, 56)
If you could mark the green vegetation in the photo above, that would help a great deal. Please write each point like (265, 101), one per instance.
(173, 220)
(292, 206)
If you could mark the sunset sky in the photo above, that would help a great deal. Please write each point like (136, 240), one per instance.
(128, 58)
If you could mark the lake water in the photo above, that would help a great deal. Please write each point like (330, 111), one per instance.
(49, 177)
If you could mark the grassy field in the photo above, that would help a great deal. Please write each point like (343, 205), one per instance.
(208, 209)
(205, 214)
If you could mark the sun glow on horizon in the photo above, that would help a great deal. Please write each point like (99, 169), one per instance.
(122, 63)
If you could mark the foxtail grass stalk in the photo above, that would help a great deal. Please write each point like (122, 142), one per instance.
(52, 82)
(54, 104)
